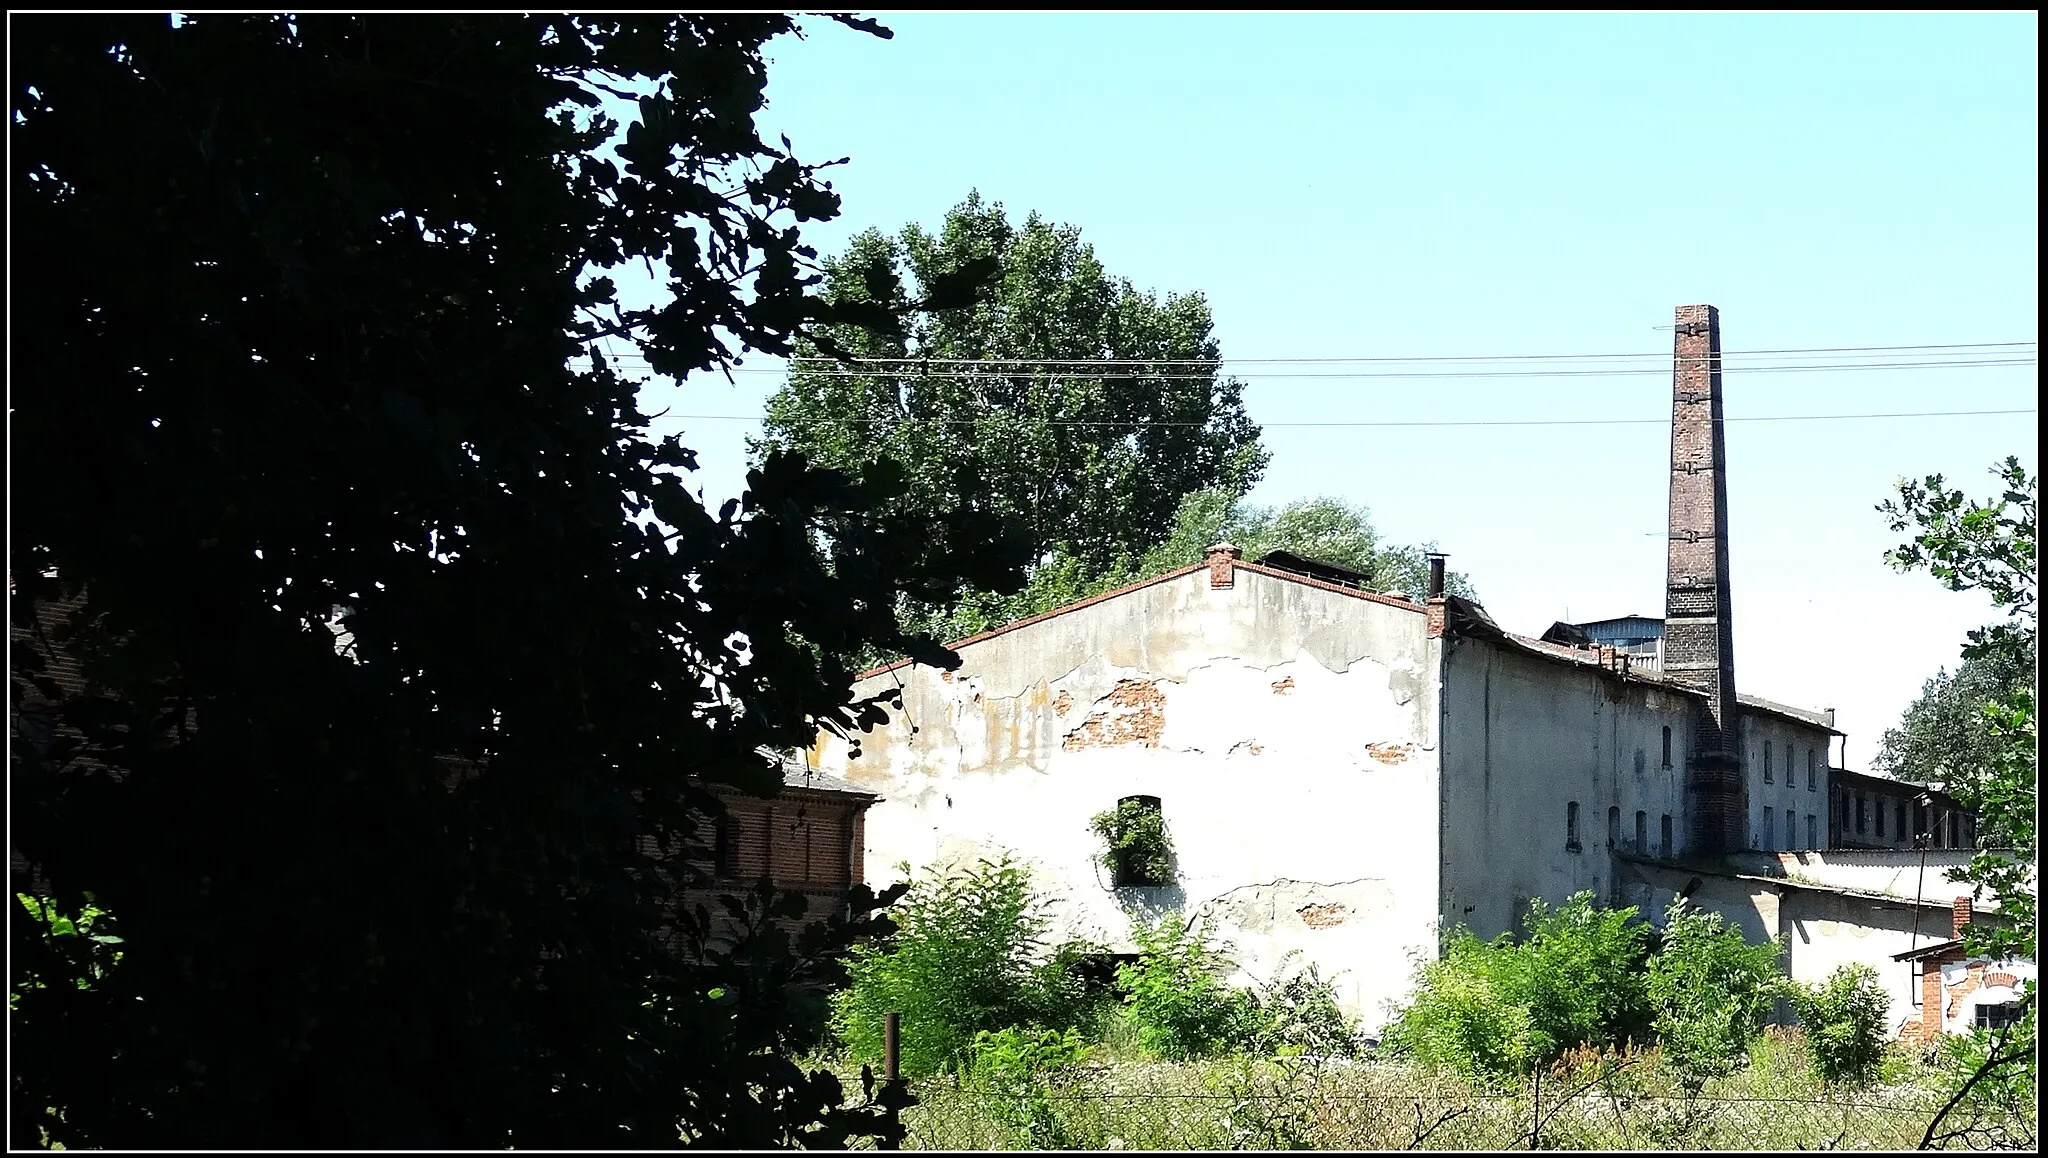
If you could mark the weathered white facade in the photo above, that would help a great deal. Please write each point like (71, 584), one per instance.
(1288, 728)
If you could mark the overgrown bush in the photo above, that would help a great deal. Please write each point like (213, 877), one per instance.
(1844, 1020)
(1498, 1008)
(1136, 849)
(967, 955)
(1710, 990)
(1298, 1013)
(1174, 996)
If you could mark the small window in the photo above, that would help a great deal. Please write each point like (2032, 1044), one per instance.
(1862, 815)
(1642, 833)
(1919, 980)
(1899, 821)
(1571, 826)
(1997, 1015)
(1812, 831)
(722, 865)
(1809, 767)
(1791, 821)
(1770, 829)
(1919, 820)
(1880, 817)
(1767, 761)
(1664, 832)
(1667, 748)
(1613, 826)
(1955, 830)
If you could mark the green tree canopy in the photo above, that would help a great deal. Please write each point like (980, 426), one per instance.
(1946, 731)
(1069, 398)
(306, 337)
(1989, 546)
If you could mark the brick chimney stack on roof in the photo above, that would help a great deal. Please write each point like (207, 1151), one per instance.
(1698, 638)
(1221, 557)
(1961, 915)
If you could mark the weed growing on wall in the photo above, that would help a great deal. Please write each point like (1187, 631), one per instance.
(1136, 849)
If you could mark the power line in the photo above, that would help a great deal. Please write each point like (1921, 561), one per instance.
(1656, 354)
(1604, 372)
(1468, 422)
(1985, 349)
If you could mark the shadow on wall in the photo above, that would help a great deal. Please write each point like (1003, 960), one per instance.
(1150, 902)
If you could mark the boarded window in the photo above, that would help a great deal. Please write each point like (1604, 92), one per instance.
(1770, 829)
(1791, 830)
(1767, 761)
(1664, 834)
(1667, 747)
(1812, 831)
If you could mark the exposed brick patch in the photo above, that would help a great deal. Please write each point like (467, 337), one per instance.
(1995, 980)
(1390, 753)
(1322, 916)
(1064, 704)
(1136, 714)
(1283, 685)
(1973, 980)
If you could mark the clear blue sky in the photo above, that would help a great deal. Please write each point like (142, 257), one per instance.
(1371, 185)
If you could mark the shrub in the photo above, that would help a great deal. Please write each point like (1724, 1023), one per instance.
(1492, 1009)
(1710, 990)
(1844, 1020)
(1019, 1067)
(1299, 1013)
(1136, 849)
(1175, 999)
(967, 955)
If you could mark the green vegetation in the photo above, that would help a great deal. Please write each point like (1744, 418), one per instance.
(967, 956)
(1174, 996)
(1710, 991)
(1501, 1008)
(1136, 850)
(310, 347)
(1844, 1021)
(1990, 546)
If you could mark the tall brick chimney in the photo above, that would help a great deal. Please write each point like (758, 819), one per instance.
(1698, 640)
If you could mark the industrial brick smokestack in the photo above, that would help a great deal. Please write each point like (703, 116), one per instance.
(1698, 639)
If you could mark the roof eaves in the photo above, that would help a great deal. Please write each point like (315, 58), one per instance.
(1043, 616)
(1326, 585)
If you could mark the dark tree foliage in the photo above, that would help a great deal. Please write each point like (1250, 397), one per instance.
(1082, 405)
(297, 315)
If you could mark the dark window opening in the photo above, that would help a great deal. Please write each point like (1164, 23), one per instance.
(1642, 832)
(1862, 815)
(1613, 826)
(1899, 821)
(1812, 831)
(1791, 831)
(1767, 761)
(1664, 833)
(1571, 826)
(1667, 747)
(1997, 1015)
(722, 865)
(1880, 817)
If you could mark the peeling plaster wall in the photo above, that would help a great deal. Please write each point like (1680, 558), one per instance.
(1289, 732)
(1522, 738)
(1965, 985)
(1787, 790)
